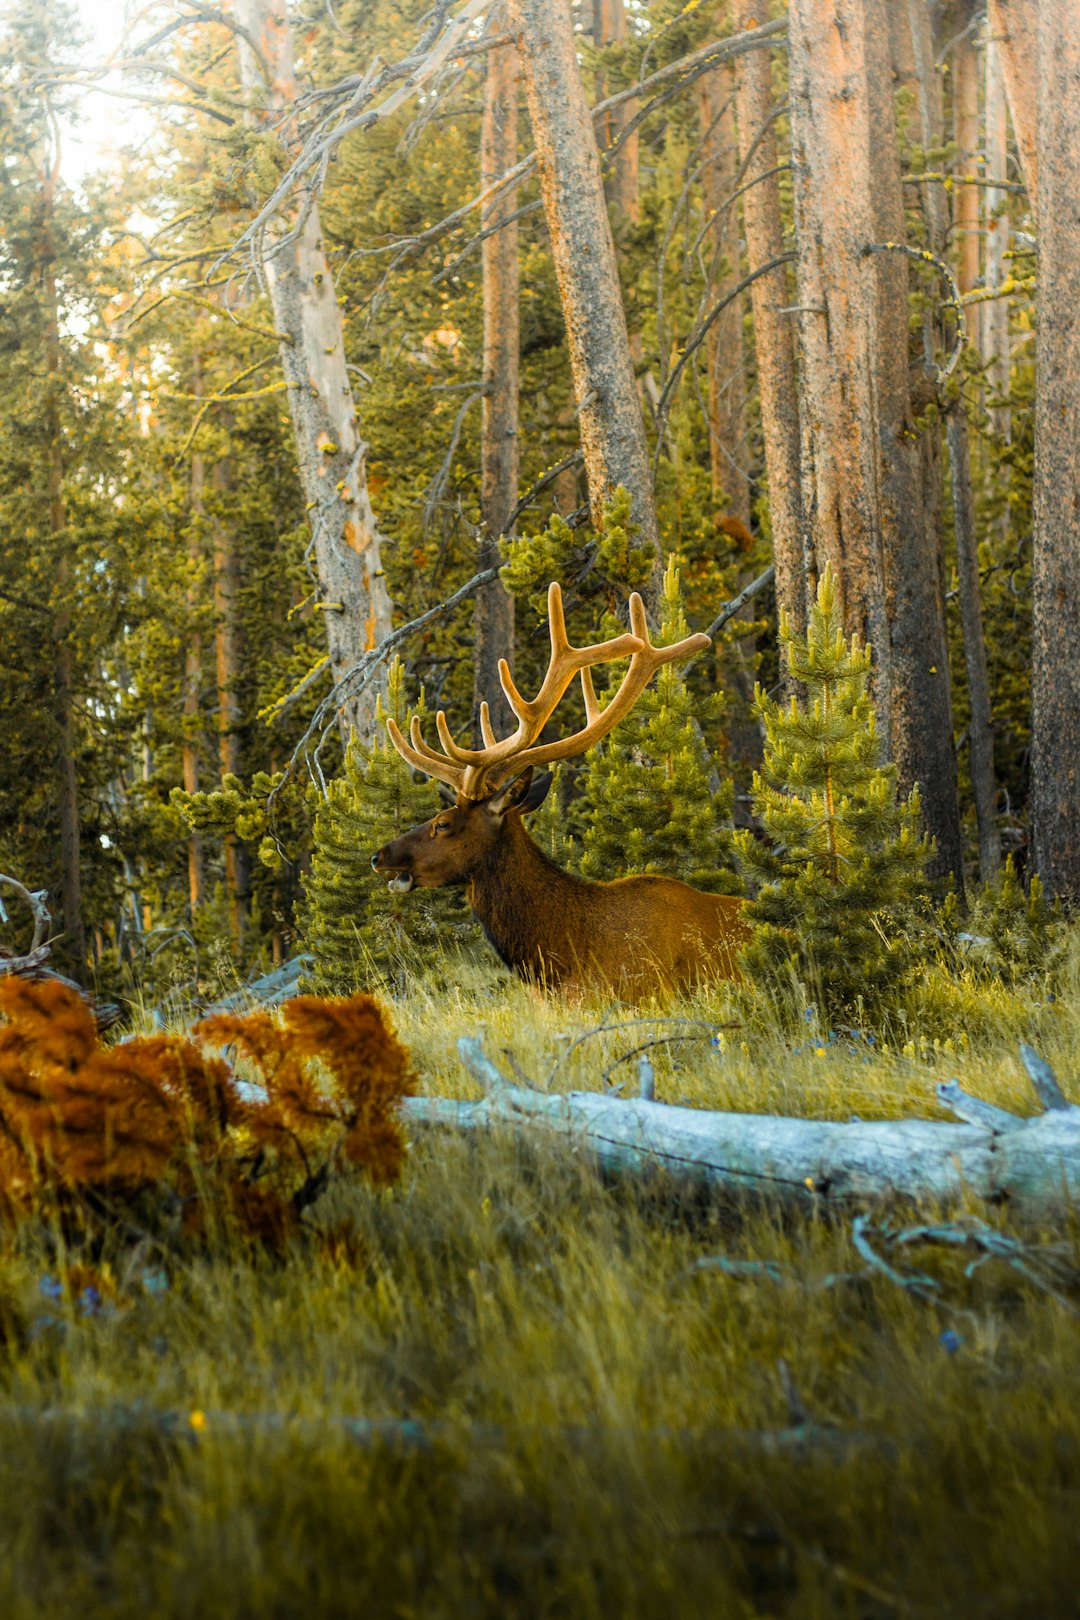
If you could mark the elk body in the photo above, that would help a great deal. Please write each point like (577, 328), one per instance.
(630, 936)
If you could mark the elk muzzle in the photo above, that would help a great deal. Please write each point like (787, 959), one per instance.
(390, 859)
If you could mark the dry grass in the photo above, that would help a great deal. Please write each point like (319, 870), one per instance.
(599, 1411)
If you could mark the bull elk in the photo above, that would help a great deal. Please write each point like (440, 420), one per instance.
(551, 928)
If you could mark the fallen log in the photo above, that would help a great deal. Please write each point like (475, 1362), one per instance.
(1032, 1164)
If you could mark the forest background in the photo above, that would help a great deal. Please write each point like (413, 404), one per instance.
(276, 388)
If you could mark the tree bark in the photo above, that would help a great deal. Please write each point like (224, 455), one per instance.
(1055, 750)
(500, 449)
(609, 28)
(352, 588)
(862, 479)
(227, 663)
(807, 1164)
(725, 369)
(930, 113)
(994, 314)
(190, 702)
(1013, 26)
(612, 427)
(774, 344)
(67, 786)
(966, 129)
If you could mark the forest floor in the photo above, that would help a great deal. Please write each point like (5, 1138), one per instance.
(506, 1387)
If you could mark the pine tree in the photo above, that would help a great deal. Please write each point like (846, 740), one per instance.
(844, 861)
(355, 928)
(652, 803)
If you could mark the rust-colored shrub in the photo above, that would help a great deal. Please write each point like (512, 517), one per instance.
(84, 1126)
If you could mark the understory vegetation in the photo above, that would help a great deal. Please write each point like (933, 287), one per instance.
(500, 1385)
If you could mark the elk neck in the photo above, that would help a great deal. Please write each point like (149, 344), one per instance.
(530, 909)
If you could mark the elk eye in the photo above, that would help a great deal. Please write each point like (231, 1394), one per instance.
(442, 826)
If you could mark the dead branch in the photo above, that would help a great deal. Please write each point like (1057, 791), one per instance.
(40, 947)
(1033, 1164)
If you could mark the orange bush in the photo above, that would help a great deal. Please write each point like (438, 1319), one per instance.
(79, 1121)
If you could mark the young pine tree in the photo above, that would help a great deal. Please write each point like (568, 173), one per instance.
(355, 928)
(843, 863)
(650, 793)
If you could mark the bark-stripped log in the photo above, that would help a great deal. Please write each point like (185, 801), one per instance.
(612, 427)
(493, 620)
(1055, 765)
(863, 499)
(1033, 1164)
(352, 590)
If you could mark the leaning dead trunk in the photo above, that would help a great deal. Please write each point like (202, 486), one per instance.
(499, 449)
(612, 427)
(862, 478)
(352, 590)
(191, 701)
(994, 314)
(1055, 762)
(774, 345)
(609, 28)
(807, 1164)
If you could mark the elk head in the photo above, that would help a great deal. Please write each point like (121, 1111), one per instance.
(494, 785)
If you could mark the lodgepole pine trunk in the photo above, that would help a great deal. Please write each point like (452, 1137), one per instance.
(994, 314)
(352, 589)
(774, 344)
(190, 704)
(930, 120)
(726, 373)
(67, 786)
(613, 437)
(227, 663)
(863, 494)
(966, 132)
(1013, 26)
(1055, 698)
(609, 28)
(493, 620)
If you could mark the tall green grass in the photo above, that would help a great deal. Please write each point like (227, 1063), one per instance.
(604, 1421)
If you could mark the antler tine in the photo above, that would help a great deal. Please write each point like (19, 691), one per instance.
(485, 727)
(646, 660)
(423, 758)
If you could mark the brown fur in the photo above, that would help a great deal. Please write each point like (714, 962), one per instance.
(630, 936)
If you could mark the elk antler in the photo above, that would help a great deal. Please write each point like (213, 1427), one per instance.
(477, 772)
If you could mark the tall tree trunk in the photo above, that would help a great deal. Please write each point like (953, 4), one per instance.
(67, 787)
(930, 115)
(499, 449)
(966, 129)
(723, 344)
(331, 454)
(1055, 752)
(227, 663)
(1013, 25)
(774, 344)
(609, 28)
(862, 480)
(994, 313)
(191, 705)
(612, 427)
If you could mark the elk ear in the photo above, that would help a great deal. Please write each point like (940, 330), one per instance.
(512, 796)
(537, 793)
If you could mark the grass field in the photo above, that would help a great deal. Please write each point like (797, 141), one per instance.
(573, 1417)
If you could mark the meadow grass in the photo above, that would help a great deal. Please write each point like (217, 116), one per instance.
(604, 1418)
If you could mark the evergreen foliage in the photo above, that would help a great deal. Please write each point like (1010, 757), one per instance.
(354, 927)
(841, 868)
(651, 799)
